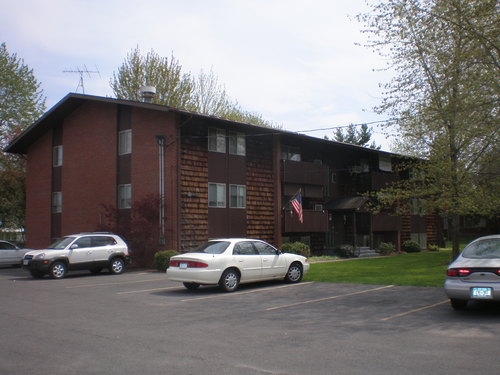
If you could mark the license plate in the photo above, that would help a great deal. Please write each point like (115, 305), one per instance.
(480, 293)
(26, 262)
(183, 266)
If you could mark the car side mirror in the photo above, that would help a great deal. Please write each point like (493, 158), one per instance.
(74, 246)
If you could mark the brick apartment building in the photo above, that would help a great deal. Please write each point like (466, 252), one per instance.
(219, 178)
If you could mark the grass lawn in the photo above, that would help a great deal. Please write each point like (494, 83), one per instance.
(414, 269)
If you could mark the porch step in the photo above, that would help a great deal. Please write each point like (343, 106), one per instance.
(366, 252)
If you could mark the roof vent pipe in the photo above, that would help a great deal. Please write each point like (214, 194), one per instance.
(147, 93)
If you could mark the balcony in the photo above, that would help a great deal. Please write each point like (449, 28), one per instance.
(314, 221)
(300, 172)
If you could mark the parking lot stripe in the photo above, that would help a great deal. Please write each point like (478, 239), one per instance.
(238, 293)
(328, 298)
(414, 311)
(148, 290)
(108, 284)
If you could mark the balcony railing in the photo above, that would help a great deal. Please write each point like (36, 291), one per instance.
(300, 172)
(314, 221)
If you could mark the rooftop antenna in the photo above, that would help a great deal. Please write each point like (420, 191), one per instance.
(82, 72)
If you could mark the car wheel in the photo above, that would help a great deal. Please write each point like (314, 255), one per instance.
(191, 286)
(458, 304)
(117, 266)
(58, 270)
(36, 274)
(294, 273)
(229, 280)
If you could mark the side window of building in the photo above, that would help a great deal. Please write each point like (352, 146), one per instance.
(124, 196)
(57, 156)
(216, 140)
(56, 202)
(125, 142)
(216, 195)
(238, 196)
(290, 153)
(237, 143)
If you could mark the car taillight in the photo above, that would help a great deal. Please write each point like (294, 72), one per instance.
(187, 264)
(458, 272)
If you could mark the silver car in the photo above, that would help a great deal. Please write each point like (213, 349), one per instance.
(10, 254)
(475, 274)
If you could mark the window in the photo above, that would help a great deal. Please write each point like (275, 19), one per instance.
(290, 153)
(244, 248)
(124, 196)
(57, 202)
(57, 156)
(216, 195)
(125, 142)
(216, 140)
(265, 249)
(237, 143)
(238, 196)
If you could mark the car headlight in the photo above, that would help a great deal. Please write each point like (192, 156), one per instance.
(40, 256)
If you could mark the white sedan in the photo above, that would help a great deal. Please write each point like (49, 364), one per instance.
(233, 261)
(10, 254)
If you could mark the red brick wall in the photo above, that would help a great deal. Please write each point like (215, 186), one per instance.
(89, 166)
(38, 193)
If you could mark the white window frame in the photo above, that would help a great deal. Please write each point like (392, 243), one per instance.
(217, 140)
(124, 196)
(125, 142)
(57, 156)
(56, 202)
(237, 194)
(237, 143)
(216, 195)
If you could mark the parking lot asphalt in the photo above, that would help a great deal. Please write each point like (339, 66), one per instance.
(141, 323)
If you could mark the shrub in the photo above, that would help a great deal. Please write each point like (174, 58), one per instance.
(411, 247)
(161, 259)
(296, 248)
(386, 248)
(345, 251)
(433, 247)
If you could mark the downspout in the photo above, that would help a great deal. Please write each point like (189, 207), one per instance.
(160, 140)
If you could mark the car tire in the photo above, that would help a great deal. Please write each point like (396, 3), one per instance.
(116, 266)
(191, 286)
(230, 280)
(294, 273)
(58, 270)
(458, 304)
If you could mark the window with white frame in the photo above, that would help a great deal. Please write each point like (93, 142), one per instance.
(237, 144)
(125, 142)
(216, 140)
(216, 195)
(56, 202)
(124, 196)
(237, 196)
(57, 156)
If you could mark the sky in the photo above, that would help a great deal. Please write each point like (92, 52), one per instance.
(297, 63)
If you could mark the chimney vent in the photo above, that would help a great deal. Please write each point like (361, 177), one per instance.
(147, 93)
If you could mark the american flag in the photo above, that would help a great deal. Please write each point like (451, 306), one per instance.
(297, 205)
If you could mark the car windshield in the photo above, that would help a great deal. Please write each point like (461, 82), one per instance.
(61, 243)
(483, 249)
(212, 247)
